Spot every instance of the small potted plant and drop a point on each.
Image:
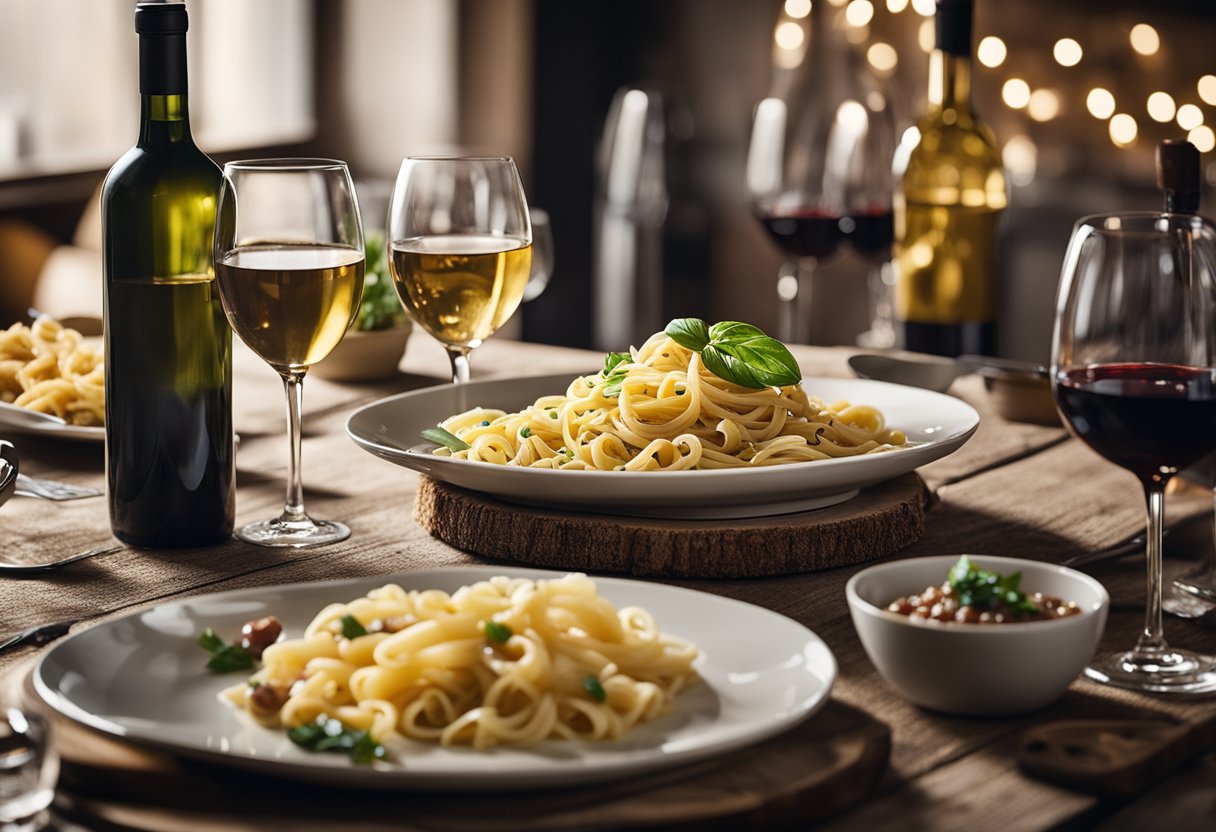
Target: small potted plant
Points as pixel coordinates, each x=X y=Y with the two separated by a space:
x=375 y=342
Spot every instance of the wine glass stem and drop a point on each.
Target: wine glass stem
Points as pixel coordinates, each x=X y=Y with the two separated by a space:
x=459 y=356
x=1152 y=640
x=293 y=509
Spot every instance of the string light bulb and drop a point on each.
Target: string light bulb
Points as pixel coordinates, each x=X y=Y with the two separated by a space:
x=1161 y=107
x=1189 y=116
x=1144 y=39
x=797 y=9
x=1207 y=89
x=1067 y=52
x=1123 y=130
x=1101 y=103
x=1203 y=138
x=991 y=51
x=1015 y=93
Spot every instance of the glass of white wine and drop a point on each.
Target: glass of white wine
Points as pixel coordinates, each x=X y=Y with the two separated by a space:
x=289 y=265
x=460 y=248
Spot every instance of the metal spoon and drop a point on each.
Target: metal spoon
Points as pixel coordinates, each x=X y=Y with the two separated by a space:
x=9 y=464
x=933 y=372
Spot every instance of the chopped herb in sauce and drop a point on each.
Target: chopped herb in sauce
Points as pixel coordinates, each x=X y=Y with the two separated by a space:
x=594 y=689
x=329 y=734
x=351 y=628
x=225 y=658
x=497 y=633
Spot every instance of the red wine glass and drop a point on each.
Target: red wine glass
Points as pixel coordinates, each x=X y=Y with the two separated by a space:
x=1134 y=377
x=819 y=162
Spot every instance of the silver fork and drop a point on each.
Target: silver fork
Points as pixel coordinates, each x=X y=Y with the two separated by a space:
x=28 y=486
x=9 y=568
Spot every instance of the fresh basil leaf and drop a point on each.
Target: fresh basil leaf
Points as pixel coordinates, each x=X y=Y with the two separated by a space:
x=734 y=331
x=351 y=628
x=328 y=734
x=689 y=333
x=209 y=641
x=229 y=659
x=729 y=368
x=767 y=358
x=614 y=359
x=445 y=438
x=498 y=633
x=594 y=689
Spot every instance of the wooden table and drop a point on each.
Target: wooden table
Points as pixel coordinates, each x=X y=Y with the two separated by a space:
x=1014 y=489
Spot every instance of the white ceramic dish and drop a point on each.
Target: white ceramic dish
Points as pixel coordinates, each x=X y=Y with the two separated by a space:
x=976 y=669
x=936 y=425
x=19 y=420
x=141 y=677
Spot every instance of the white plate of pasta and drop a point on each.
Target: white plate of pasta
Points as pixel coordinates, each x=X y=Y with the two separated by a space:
x=142 y=677
x=51 y=382
x=883 y=431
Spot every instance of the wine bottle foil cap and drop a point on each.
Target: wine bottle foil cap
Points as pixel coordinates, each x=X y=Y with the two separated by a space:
x=161 y=18
x=1177 y=165
x=954 y=26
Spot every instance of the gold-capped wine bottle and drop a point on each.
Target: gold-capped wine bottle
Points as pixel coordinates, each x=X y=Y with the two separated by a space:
x=947 y=209
x=168 y=348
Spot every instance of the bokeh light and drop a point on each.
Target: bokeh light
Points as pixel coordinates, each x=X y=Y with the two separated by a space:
x=1100 y=102
x=1123 y=130
x=1161 y=106
x=1189 y=116
x=1015 y=93
x=1203 y=138
x=1144 y=39
x=1207 y=89
x=1067 y=52
x=991 y=51
x=797 y=9
x=859 y=13
x=883 y=57
x=1044 y=105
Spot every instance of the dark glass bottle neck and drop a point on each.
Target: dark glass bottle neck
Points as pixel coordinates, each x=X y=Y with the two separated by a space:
x=163 y=120
x=164 y=116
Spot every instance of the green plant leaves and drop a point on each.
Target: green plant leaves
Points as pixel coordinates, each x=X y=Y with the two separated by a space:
x=737 y=352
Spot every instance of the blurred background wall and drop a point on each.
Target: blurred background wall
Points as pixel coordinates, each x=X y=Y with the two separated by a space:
x=370 y=81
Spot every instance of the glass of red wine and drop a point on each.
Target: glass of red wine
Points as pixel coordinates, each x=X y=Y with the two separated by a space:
x=1134 y=377
x=819 y=163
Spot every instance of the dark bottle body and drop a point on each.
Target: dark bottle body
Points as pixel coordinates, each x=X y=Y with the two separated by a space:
x=169 y=439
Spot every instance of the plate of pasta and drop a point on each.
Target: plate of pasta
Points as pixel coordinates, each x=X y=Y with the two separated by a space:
x=51 y=382
x=655 y=433
x=454 y=678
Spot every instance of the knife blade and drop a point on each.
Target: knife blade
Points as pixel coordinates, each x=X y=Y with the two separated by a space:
x=38 y=635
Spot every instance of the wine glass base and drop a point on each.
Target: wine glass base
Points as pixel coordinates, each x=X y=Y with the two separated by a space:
x=1171 y=672
x=293 y=534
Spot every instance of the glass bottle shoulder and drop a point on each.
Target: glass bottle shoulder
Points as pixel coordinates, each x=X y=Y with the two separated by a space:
x=956 y=161
x=180 y=169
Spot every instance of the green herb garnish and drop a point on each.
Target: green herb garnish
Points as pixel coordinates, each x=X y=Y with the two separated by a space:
x=329 y=734
x=445 y=438
x=614 y=373
x=351 y=628
x=225 y=658
x=497 y=633
x=525 y=432
x=379 y=307
x=736 y=352
x=983 y=590
x=594 y=689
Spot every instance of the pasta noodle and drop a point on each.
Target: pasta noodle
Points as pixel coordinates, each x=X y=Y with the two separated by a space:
x=46 y=367
x=670 y=414
x=500 y=662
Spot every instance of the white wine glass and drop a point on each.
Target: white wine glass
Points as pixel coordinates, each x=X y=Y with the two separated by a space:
x=542 y=254
x=289 y=264
x=460 y=248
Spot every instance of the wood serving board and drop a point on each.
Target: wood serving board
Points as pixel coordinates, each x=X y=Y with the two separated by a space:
x=879 y=521
x=805 y=775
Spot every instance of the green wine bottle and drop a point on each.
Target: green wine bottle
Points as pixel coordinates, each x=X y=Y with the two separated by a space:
x=168 y=348
x=947 y=209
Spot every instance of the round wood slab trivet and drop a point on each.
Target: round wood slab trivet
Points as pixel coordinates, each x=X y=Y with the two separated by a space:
x=878 y=522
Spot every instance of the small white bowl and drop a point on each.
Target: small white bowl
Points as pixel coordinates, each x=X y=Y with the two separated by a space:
x=976 y=669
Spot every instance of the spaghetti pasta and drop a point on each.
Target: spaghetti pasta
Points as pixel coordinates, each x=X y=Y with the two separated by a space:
x=500 y=662
x=670 y=414
x=46 y=367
